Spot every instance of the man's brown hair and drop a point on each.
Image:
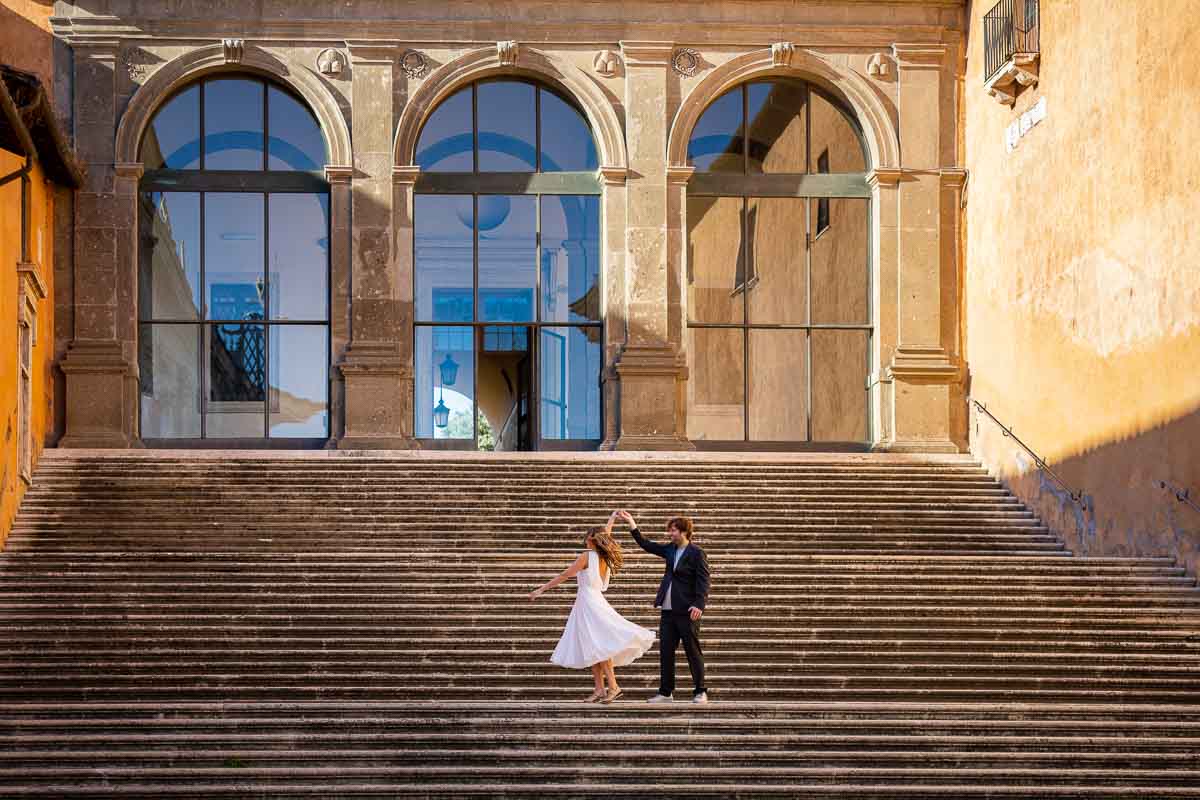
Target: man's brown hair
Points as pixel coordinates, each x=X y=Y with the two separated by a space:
x=683 y=525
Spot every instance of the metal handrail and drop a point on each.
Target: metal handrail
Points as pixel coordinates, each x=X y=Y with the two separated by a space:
x=1182 y=495
x=1076 y=497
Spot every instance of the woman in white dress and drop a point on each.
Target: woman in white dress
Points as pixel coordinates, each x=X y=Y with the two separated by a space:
x=596 y=635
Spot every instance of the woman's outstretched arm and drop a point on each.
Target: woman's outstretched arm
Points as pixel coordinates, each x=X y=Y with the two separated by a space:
x=577 y=566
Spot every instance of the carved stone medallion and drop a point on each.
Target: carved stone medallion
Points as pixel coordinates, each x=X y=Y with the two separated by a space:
x=686 y=61
x=414 y=64
x=330 y=62
x=606 y=63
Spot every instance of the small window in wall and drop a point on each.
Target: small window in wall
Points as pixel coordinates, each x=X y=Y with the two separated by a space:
x=823 y=202
x=25 y=401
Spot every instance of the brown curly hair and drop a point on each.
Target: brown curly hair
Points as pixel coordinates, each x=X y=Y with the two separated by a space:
x=607 y=547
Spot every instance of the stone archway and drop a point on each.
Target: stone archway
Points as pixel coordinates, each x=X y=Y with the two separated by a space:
x=186 y=68
x=530 y=62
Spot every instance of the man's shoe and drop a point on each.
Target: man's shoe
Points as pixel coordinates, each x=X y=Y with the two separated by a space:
x=661 y=698
x=700 y=698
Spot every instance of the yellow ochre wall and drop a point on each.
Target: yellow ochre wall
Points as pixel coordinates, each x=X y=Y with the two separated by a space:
x=1082 y=281
x=41 y=214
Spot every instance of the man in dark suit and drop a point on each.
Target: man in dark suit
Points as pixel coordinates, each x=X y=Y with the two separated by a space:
x=682 y=596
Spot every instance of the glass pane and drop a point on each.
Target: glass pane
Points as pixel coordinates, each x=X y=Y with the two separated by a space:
x=716 y=144
x=445 y=382
x=447 y=142
x=237 y=363
x=295 y=136
x=233 y=255
x=776 y=126
x=299 y=381
x=299 y=242
x=505 y=393
x=776 y=292
x=567 y=143
x=570 y=383
x=173 y=138
x=570 y=259
x=716 y=385
x=716 y=259
x=444 y=282
x=169 y=367
x=778 y=386
x=840 y=274
x=233 y=124
x=839 y=379
x=833 y=130
x=507 y=228
x=169 y=274
x=507 y=127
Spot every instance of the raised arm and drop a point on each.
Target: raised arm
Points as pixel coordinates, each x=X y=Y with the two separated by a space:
x=653 y=548
x=577 y=566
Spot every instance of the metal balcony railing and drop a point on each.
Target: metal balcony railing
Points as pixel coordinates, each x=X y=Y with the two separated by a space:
x=1012 y=27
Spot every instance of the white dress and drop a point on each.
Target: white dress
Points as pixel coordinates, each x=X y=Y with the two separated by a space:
x=595 y=632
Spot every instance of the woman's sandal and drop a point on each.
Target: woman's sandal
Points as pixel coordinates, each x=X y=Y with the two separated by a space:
x=596 y=697
x=608 y=698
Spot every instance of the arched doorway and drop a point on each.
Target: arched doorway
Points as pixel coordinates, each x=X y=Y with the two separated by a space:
x=506 y=271
x=233 y=266
x=779 y=321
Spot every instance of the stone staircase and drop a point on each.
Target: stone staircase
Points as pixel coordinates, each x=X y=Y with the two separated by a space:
x=326 y=625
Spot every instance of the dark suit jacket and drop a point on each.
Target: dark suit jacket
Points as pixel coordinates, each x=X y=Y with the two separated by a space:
x=689 y=580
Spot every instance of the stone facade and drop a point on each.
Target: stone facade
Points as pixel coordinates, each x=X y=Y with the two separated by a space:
x=641 y=80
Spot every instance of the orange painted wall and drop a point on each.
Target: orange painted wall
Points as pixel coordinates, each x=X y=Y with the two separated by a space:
x=1082 y=285
x=41 y=239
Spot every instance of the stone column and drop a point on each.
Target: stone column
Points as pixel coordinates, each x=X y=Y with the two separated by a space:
x=100 y=364
x=339 y=178
x=613 y=309
x=925 y=366
x=651 y=369
x=884 y=184
x=373 y=367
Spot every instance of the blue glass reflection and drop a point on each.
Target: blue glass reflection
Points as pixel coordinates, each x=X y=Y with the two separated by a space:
x=443 y=234
x=567 y=144
x=299 y=256
x=507 y=257
x=299 y=381
x=717 y=144
x=457 y=403
x=570 y=383
x=235 y=284
x=169 y=283
x=507 y=127
x=233 y=124
x=446 y=143
x=570 y=260
x=173 y=140
x=295 y=142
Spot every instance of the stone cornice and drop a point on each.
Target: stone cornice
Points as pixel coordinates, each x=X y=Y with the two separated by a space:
x=920 y=55
x=680 y=175
x=884 y=176
x=613 y=176
x=638 y=53
x=953 y=176
x=335 y=173
x=131 y=170
x=373 y=52
x=405 y=174
x=31 y=275
x=926 y=364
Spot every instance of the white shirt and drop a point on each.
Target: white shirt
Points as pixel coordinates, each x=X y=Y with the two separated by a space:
x=666 y=606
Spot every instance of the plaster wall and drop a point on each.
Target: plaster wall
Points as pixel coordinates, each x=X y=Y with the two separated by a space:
x=1082 y=287
x=41 y=245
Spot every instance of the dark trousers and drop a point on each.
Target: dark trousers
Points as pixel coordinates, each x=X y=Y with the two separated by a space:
x=676 y=627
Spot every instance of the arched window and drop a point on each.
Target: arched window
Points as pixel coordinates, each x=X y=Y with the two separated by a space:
x=234 y=266
x=507 y=324
x=779 y=320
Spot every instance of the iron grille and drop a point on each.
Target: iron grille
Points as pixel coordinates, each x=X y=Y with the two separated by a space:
x=1011 y=27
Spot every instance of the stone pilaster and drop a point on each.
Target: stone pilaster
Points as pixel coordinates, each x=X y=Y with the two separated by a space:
x=651 y=369
x=924 y=367
x=613 y=311
x=373 y=368
x=100 y=364
x=340 y=179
